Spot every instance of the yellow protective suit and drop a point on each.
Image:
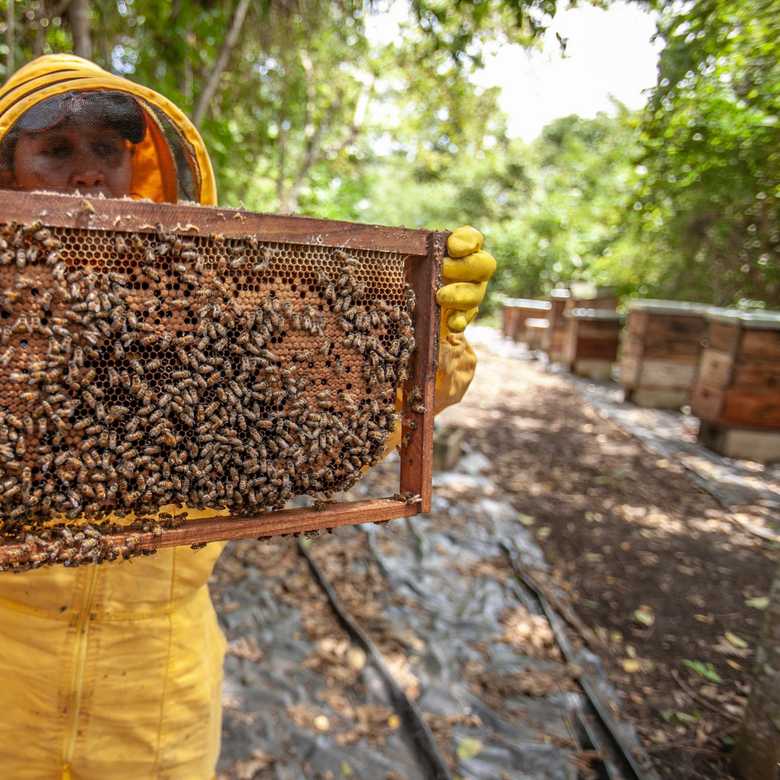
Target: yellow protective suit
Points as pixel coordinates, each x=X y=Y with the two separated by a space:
x=114 y=672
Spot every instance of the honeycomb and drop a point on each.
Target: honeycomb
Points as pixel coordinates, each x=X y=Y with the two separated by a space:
x=141 y=370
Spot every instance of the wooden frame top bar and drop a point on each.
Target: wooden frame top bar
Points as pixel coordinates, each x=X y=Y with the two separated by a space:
x=76 y=211
x=676 y=308
x=759 y=320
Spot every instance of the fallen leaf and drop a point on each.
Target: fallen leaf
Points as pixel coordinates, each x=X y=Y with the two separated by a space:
x=346 y=769
x=705 y=669
x=727 y=648
x=246 y=770
x=468 y=747
x=543 y=532
x=321 y=723
x=245 y=647
x=526 y=520
x=675 y=716
x=631 y=665
x=735 y=640
x=356 y=658
x=759 y=602
x=644 y=615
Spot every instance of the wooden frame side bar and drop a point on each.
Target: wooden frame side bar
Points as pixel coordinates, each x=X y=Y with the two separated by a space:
x=420 y=389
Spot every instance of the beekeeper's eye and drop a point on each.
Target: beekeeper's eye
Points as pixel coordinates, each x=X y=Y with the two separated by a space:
x=59 y=148
x=108 y=150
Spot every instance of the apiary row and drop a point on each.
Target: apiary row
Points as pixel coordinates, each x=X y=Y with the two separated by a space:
x=725 y=364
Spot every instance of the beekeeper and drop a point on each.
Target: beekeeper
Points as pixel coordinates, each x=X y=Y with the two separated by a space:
x=115 y=671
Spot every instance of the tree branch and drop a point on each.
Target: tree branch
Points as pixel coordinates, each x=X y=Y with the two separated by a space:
x=59 y=9
x=314 y=152
x=10 y=37
x=231 y=39
x=78 y=17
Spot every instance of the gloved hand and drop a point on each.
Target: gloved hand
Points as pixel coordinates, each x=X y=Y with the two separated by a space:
x=466 y=271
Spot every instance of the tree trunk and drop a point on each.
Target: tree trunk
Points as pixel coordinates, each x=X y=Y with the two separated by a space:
x=10 y=36
x=231 y=39
x=757 y=756
x=78 y=17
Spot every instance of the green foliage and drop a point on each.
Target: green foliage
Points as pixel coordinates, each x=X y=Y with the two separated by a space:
x=708 y=207
x=678 y=201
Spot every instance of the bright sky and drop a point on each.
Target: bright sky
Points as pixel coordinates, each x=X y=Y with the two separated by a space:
x=609 y=53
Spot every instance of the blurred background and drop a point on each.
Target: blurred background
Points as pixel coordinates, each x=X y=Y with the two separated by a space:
x=627 y=144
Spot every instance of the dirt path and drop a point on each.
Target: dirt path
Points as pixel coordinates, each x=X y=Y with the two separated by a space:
x=652 y=565
x=651 y=562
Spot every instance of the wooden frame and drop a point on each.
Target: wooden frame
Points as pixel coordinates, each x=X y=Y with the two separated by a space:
x=423 y=251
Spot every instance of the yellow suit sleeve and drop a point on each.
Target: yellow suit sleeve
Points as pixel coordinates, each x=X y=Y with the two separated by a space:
x=454 y=372
x=455 y=369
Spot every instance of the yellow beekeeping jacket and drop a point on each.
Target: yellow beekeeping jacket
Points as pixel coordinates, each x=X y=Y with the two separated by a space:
x=114 y=672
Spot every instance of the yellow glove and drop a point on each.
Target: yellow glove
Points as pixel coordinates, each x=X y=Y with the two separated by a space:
x=465 y=275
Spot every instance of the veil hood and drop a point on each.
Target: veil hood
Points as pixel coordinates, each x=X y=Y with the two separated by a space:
x=170 y=163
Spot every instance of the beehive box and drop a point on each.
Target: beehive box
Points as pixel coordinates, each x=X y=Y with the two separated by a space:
x=516 y=311
x=536 y=332
x=736 y=394
x=592 y=339
x=156 y=358
x=557 y=324
x=660 y=352
x=591 y=296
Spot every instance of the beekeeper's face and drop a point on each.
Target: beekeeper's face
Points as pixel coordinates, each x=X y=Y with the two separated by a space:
x=74 y=156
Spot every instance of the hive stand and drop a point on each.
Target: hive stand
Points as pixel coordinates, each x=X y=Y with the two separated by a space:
x=737 y=390
x=536 y=332
x=516 y=312
x=555 y=337
x=393 y=257
x=660 y=352
x=592 y=338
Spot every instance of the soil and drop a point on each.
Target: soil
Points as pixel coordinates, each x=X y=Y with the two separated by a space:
x=651 y=563
x=666 y=588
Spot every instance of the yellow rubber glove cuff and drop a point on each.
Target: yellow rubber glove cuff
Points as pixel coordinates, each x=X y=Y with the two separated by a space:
x=465 y=274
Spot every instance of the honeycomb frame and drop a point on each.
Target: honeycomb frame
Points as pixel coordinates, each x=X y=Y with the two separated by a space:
x=158 y=258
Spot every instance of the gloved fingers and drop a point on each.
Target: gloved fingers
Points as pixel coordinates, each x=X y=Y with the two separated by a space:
x=476 y=267
x=463 y=241
x=461 y=295
x=457 y=321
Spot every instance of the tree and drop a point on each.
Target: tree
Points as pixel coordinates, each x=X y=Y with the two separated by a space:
x=281 y=89
x=757 y=755
x=708 y=206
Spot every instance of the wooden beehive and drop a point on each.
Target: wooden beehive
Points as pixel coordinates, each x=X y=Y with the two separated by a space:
x=591 y=296
x=160 y=357
x=516 y=311
x=557 y=324
x=581 y=295
x=736 y=394
x=660 y=352
x=536 y=332
x=592 y=339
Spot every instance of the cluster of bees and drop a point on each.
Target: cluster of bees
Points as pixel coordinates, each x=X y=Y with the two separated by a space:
x=145 y=370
